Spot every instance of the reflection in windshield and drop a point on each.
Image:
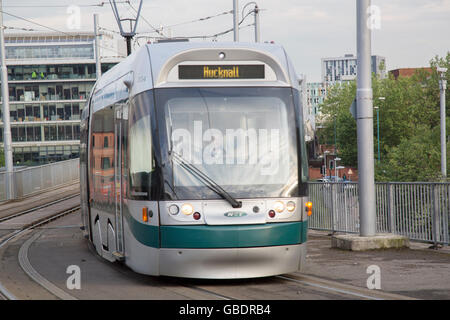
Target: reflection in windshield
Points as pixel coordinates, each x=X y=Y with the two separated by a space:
x=243 y=139
x=229 y=136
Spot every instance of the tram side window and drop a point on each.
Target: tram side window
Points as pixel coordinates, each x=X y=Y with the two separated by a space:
x=304 y=156
x=102 y=157
x=140 y=153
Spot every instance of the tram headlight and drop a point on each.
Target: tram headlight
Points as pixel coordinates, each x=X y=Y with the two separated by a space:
x=279 y=206
x=290 y=206
x=187 y=209
x=174 y=209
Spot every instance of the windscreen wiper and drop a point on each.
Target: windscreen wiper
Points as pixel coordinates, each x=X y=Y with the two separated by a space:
x=206 y=180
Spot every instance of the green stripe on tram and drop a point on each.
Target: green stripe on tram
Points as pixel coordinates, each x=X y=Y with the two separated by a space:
x=233 y=236
x=230 y=236
x=146 y=234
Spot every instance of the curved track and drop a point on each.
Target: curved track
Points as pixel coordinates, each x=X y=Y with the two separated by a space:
x=289 y=286
x=30 y=219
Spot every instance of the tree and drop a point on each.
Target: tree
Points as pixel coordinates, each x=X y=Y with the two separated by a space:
x=2 y=158
x=337 y=116
x=409 y=124
x=415 y=159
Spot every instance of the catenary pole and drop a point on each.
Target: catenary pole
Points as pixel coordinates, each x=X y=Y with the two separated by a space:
x=236 y=20
x=7 y=143
x=127 y=35
x=98 y=66
x=365 y=123
x=257 y=26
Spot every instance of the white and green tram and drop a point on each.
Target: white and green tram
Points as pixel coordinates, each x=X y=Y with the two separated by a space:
x=193 y=162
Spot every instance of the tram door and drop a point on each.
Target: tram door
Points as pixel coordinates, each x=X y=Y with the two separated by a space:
x=120 y=115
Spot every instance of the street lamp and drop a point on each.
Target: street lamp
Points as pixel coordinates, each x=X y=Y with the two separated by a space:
x=443 y=86
x=378 y=127
x=339 y=168
x=335 y=165
x=325 y=162
x=256 y=10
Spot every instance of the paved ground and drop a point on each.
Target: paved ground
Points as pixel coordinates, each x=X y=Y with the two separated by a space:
x=417 y=272
x=61 y=244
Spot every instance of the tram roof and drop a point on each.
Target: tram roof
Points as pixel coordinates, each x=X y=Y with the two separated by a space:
x=150 y=65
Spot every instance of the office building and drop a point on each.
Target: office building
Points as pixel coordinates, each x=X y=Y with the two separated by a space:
x=316 y=94
x=50 y=77
x=340 y=69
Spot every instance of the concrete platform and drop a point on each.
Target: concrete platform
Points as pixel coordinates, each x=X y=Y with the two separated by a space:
x=379 y=241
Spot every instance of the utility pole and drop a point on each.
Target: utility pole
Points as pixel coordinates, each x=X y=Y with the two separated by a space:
x=98 y=66
x=257 y=26
x=236 y=20
x=7 y=143
x=365 y=123
x=443 y=87
x=127 y=35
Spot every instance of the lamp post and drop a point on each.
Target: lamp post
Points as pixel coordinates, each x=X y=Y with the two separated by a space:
x=7 y=143
x=256 y=10
x=325 y=162
x=443 y=87
x=335 y=165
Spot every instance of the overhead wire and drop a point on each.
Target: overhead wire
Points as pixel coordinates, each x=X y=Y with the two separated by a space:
x=146 y=21
x=199 y=19
x=156 y=30
x=209 y=36
x=101 y=4
x=53 y=29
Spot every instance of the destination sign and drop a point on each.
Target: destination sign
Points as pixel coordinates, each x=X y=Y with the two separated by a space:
x=212 y=72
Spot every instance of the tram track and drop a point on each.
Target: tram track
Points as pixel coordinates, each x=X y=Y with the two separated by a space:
x=164 y=281
x=340 y=288
x=301 y=282
x=48 y=204
x=185 y=288
x=28 y=226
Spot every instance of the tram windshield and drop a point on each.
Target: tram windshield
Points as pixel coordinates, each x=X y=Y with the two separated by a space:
x=244 y=139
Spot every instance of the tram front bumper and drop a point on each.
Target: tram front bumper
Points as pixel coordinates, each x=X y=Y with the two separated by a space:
x=232 y=263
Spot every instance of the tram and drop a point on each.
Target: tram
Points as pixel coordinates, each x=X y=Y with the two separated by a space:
x=193 y=162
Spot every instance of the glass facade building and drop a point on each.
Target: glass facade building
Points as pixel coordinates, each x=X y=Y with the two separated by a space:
x=335 y=70
x=50 y=77
x=316 y=93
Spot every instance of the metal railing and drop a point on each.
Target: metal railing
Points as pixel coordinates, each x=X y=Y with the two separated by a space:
x=31 y=180
x=420 y=211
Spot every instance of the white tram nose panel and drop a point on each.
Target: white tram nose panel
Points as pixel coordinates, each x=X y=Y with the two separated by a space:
x=234 y=263
x=222 y=213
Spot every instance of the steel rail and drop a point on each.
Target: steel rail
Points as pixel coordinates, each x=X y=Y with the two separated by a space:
x=36 y=276
x=17 y=233
x=333 y=286
x=45 y=205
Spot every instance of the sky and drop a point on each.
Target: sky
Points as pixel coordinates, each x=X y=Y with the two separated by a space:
x=410 y=33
